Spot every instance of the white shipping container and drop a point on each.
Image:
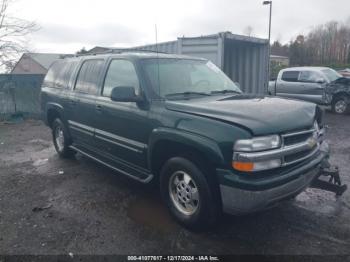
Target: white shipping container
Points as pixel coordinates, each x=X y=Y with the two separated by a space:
x=242 y=58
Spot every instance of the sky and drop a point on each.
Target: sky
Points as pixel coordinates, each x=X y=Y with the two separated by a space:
x=68 y=25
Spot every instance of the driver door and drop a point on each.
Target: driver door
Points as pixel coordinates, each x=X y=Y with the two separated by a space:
x=122 y=128
x=313 y=86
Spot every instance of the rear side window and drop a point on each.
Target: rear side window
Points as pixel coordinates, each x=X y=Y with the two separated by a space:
x=65 y=75
x=290 y=76
x=120 y=73
x=88 y=77
x=60 y=74
x=52 y=74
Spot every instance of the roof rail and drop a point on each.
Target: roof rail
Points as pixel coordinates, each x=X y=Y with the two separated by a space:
x=119 y=51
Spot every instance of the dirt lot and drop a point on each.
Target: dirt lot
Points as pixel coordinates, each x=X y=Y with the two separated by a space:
x=54 y=206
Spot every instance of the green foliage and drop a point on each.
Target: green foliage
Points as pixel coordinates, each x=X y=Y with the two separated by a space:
x=275 y=67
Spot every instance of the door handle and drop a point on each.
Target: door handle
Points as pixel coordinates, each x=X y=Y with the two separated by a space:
x=98 y=107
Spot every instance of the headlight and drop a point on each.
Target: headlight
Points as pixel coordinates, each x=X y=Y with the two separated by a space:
x=257 y=143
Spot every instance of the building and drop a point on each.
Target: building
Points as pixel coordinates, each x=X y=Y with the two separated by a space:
x=279 y=60
x=244 y=59
x=35 y=63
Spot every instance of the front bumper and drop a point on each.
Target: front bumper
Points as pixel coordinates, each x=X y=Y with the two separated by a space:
x=239 y=197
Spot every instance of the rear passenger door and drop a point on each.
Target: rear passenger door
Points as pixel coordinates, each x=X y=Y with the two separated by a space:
x=82 y=102
x=287 y=85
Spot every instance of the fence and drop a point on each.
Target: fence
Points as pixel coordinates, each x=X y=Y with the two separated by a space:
x=20 y=94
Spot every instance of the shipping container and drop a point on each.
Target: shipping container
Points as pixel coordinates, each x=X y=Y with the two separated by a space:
x=244 y=59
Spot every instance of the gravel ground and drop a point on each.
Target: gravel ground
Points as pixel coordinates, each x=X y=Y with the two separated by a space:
x=54 y=206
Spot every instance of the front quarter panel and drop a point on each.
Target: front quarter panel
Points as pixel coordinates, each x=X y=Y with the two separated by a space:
x=211 y=137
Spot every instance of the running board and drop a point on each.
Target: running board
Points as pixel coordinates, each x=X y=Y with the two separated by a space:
x=145 y=181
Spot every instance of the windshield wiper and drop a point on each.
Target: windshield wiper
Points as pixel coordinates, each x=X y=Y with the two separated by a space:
x=225 y=91
x=188 y=93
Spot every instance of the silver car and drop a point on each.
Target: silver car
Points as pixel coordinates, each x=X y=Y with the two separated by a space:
x=304 y=83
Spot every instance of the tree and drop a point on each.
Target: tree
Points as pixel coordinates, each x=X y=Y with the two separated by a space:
x=248 y=30
x=12 y=36
x=327 y=45
x=81 y=51
x=278 y=49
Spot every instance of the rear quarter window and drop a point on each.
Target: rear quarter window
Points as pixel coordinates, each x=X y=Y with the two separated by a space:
x=290 y=76
x=60 y=74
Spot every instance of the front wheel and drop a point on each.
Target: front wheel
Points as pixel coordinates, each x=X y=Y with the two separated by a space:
x=61 y=139
x=340 y=105
x=187 y=193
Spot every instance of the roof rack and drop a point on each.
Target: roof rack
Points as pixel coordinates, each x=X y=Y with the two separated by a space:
x=119 y=51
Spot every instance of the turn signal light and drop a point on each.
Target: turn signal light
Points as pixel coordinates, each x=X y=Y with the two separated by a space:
x=243 y=166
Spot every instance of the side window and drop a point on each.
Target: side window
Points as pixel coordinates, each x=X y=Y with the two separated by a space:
x=65 y=74
x=309 y=77
x=88 y=77
x=290 y=76
x=52 y=75
x=120 y=73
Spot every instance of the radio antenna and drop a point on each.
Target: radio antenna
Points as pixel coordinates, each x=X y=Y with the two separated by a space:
x=156 y=33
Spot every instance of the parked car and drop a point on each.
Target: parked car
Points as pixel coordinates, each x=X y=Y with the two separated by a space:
x=181 y=123
x=310 y=84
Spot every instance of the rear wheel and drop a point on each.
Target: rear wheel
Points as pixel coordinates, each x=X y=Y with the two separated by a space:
x=340 y=105
x=188 y=195
x=61 y=139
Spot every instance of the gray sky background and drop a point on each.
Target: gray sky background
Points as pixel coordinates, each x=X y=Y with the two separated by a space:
x=69 y=25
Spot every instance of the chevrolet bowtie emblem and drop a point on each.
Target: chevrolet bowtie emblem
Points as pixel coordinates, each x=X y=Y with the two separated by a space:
x=312 y=142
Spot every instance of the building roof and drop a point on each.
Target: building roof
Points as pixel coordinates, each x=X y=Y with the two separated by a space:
x=44 y=59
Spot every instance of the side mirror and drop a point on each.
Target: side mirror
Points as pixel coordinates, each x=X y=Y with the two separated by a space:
x=125 y=94
x=320 y=81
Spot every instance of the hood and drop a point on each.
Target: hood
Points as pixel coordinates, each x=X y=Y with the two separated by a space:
x=261 y=115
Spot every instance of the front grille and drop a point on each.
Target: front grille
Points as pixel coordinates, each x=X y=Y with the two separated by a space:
x=306 y=137
x=295 y=139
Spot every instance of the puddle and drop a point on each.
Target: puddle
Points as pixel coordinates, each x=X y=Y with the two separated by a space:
x=27 y=153
x=318 y=201
x=40 y=162
x=152 y=213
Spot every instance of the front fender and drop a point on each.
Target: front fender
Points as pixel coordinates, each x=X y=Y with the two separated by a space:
x=203 y=144
x=53 y=106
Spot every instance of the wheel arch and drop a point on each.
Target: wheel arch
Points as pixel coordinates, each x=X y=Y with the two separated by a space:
x=53 y=111
x=166 y=142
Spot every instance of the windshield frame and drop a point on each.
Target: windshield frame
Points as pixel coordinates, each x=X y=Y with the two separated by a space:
x=156 y=96
x=324 y=72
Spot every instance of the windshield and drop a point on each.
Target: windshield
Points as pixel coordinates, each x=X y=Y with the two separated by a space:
x=331 y=74
x=186 y=77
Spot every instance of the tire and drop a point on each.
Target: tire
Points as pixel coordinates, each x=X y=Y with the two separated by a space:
x=193 y=187
x=61 y=139
x=340 y=105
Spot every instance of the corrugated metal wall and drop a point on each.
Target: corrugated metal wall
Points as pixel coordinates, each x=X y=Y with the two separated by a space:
x=246 y=63
x=243 y=59
x=165 y=47
x=20 y=94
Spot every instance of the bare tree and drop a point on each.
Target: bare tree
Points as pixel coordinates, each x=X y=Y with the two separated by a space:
x=13 y=32
x=248 y=30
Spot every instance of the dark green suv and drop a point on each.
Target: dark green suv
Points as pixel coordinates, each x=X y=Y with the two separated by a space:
x=181 y=123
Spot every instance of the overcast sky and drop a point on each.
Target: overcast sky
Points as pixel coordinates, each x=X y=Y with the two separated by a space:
x=69 y=25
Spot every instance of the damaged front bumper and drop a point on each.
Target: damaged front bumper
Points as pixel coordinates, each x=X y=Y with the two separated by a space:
x=239 y=197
